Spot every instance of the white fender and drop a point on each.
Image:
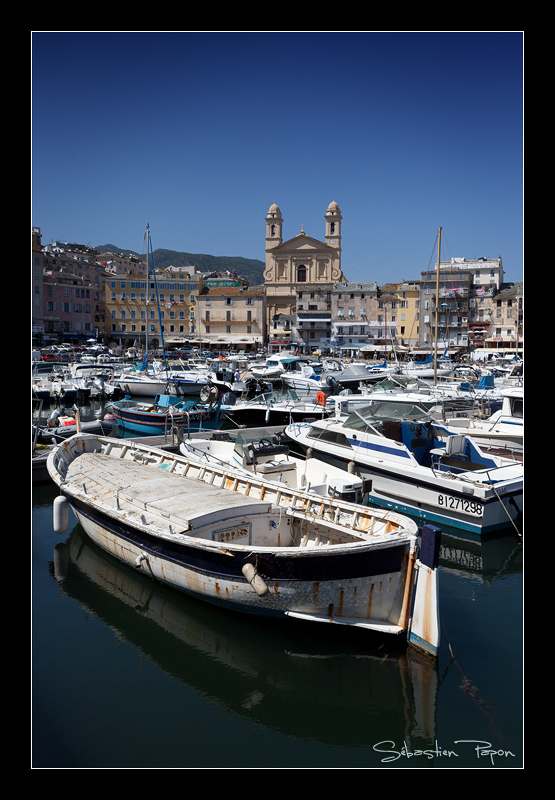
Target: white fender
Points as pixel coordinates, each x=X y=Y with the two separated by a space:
x=60 y=514
x=254 y=579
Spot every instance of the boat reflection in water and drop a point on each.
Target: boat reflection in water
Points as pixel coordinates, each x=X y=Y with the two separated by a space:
x=278 y=675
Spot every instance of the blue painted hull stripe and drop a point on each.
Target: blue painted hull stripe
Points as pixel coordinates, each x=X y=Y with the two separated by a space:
x=379 y=448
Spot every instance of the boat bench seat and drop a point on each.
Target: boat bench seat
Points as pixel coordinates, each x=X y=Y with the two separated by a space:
x=460 y=464
x=273 y=466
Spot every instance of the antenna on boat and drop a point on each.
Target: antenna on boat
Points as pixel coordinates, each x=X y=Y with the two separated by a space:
x=437 y=303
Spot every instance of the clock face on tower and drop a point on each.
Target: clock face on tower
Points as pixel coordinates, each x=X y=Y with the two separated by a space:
x=332 y=241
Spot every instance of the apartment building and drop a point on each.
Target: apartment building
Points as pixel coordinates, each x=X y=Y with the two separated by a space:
x=72 y=296
x=161 y=309
x=465 y=287
x=37 y=307
x=405 y=311
x=68 y=306
x=503 y=324
x=231 y=316
x=354 y=311
x=312 y=323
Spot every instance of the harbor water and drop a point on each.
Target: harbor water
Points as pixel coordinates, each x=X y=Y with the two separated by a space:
x=130 y=674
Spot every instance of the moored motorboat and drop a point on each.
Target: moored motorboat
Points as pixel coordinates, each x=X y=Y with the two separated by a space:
x=377 y=372
x=349 y=377
x=141 y=383
x=272 y=368
x=249 y=544
x=426 y=369
x=503 y=429
x=418 y=467
x=273 y=408
x=269 y=458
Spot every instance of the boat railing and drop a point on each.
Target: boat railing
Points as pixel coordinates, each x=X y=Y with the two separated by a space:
x=325 y=509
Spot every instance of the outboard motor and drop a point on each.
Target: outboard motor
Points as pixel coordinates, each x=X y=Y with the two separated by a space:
x=209 y=394
x=333 y=383
x=251 y=385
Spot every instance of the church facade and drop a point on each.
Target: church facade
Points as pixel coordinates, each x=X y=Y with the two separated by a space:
x=301 y=266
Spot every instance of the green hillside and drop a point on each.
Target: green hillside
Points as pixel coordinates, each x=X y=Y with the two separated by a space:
x=250 y=268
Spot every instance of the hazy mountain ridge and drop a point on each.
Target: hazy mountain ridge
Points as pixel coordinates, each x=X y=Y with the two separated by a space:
x=250 y=268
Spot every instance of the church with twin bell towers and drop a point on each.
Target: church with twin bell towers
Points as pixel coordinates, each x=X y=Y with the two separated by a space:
x=301 y=264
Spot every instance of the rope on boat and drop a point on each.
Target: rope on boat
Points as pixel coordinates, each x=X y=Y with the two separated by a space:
x=511 y=520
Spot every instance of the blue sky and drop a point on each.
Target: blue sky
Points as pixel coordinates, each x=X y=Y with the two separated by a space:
x=198 y=133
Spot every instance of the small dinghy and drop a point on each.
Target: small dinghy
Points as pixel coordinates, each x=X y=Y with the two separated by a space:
x=249 y=544
x=62 y=425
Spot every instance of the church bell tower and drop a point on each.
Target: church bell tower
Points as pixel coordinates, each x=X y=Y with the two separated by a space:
x=333 y=226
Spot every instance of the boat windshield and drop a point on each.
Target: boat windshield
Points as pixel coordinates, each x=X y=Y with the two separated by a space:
x=329 y=435
x=517 y=407
x=370 y=418
x=265 y=399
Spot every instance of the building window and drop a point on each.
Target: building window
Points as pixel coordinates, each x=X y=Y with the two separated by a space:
x=301 y=273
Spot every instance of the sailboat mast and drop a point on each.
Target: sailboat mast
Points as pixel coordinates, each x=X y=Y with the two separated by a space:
x=147 y=238
x=437 y=303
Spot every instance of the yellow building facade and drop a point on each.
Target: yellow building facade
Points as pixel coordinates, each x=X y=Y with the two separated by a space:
x=159 y=308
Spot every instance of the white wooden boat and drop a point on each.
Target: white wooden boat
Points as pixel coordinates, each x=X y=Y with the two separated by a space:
x=272 y=460
x=417 y=466
x=249 y=544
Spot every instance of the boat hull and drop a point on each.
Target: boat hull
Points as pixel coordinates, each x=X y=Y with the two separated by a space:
x=232 y=540
x=323 y=587
x=141 y=388
x=260 y=417
x=157 y=424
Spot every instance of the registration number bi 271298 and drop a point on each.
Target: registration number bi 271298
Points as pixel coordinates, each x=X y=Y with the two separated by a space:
x=460 y=504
